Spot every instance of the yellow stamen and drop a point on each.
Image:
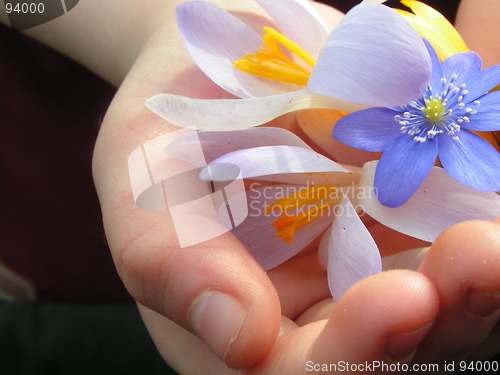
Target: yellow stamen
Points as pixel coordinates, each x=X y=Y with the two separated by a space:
x=434 y=110
x=271 y=62
x=320 y=198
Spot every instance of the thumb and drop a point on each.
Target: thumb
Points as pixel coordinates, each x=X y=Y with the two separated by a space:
x=207 y=283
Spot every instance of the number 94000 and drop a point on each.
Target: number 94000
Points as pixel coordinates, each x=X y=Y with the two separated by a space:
x=24 y=8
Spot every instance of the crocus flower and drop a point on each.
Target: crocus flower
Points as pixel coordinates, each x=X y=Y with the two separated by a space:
x=311 y=193
x=372 y=58
x=438 y=124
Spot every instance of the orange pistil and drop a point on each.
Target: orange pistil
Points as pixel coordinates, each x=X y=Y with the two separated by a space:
x=320 y=198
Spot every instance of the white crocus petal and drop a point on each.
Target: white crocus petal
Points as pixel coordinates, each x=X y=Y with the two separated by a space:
x=234 y=114
x=352 y=252
x=374 y=1
x=373 y=57
x=406 y=260
x=215 y=39
x=216 y=144
x=438 y=203
x=258 y=234
x=272 y=160
x=299 y=21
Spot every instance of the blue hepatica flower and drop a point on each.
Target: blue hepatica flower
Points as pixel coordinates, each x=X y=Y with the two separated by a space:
x=438 y=124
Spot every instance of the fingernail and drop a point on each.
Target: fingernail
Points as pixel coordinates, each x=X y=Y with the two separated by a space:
x=217 y=319
x=401 y=347
x=483 y=304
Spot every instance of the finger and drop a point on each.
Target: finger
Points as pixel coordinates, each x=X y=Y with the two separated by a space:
x=182 y=350
x=463 y=265
x=382 y=318
x=187 y=354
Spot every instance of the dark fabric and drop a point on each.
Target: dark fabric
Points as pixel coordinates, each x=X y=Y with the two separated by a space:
x=66 y=339
x=50 y=221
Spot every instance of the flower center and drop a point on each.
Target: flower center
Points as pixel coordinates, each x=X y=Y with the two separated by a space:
x=441 y=110
x=271 y=62
x=307 y=206
x=434 y=110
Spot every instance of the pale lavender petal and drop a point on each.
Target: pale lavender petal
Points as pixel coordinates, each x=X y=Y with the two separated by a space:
x=216 y=144
x=352 y=252
x=271 y=160
x=471 y=160
x=234 y=114
x=258 y=234
x=299 y=21
x=438 y=203
x=215 y=39
x=373 y=57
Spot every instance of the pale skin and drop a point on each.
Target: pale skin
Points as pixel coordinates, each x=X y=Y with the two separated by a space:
x=448 y=310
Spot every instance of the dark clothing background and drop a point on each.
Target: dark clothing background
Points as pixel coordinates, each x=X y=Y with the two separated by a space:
x=51 y=228
x=51 y=232
x=76 y=339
